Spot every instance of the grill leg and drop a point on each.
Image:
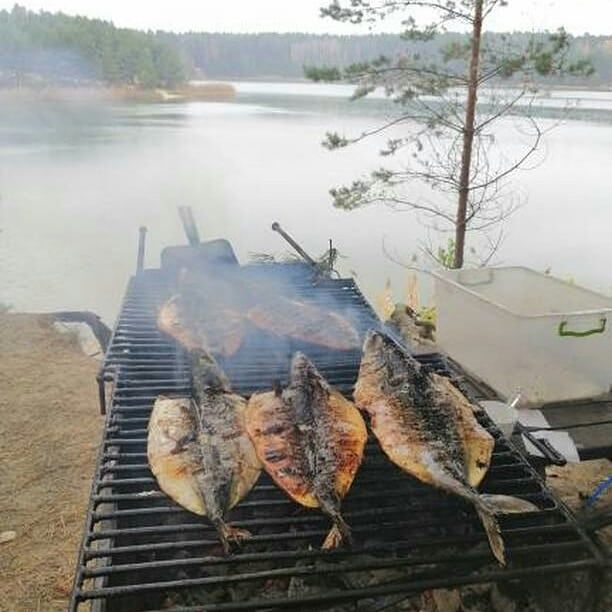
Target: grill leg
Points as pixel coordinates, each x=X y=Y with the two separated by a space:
x=101 y=392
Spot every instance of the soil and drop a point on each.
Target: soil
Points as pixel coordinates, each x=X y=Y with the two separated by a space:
x=50 y=429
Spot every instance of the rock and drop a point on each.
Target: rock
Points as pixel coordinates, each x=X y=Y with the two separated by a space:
x=7 y=536
x=84 y=336
x=414 y=331
x=441 y=600
x=501 y=602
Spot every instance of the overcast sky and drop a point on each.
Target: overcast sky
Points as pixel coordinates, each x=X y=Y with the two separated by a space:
x=578 y=16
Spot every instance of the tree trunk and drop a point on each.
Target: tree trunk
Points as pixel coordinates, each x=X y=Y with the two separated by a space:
x=468 y=137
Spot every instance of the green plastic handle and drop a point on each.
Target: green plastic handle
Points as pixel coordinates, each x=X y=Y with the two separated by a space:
x=581 y=334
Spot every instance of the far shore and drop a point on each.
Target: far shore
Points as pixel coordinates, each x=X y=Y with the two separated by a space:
x=202 y=91
x=600 y=87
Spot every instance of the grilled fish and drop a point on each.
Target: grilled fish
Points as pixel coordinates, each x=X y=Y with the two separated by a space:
x=199 y=450
x=428 y=428
x=310 y=439
x=306 y=322
x=201 y=325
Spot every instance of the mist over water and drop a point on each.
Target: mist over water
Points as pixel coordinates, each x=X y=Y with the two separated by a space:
x=76 y=182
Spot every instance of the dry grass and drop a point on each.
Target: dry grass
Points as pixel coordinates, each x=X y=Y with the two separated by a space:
x=202 y=91
x=207 y=91
x=50 y=432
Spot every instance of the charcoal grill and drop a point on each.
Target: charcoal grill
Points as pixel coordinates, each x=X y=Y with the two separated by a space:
x=141 y=552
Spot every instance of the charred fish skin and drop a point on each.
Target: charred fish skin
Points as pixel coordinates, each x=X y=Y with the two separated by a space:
x=310 y=440
x=198 y=319
x=199 y=451
x=225 y=451
x=428 y=429
x=308 y=395
x=307 y=322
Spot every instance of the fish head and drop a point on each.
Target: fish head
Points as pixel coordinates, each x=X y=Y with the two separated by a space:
x=207 y=373
x=373 y=344
x=305 y=376
x=382 y=353
x=302 y=368
x=379 y=349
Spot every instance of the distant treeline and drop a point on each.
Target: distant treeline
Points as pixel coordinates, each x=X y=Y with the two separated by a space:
x=283 y=56
x=55 y=47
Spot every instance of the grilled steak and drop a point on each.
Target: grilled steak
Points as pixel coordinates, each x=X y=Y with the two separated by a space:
x=202 y=324
x=306 y=322
x=199 y=450
x=310 y=440
x=428 y=428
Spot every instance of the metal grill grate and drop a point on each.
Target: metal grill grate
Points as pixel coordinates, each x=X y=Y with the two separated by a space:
x=142 y=552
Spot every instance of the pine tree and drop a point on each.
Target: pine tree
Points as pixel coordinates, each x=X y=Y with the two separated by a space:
x=443 y=136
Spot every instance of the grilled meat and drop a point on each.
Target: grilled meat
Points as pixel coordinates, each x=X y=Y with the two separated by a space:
x=202 y=324
x=306 y=322
x=310 y=439
x=199 y=450
x=428 y=428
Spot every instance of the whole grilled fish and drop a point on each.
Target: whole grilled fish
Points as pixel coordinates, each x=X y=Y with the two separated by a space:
x=307 y=322
x=310 y=440
x=428 y=428
x=202 y=324
x=199 y=450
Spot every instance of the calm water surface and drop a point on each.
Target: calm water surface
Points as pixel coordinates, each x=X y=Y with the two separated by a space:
x=76 y=182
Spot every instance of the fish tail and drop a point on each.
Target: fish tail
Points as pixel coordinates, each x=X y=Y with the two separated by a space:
x=229 y=534
x=487 y=507
x=492 y=529
x=506 y=504
x=338 y=535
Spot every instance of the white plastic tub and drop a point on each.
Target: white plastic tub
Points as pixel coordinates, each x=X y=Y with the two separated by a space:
x=519 y=330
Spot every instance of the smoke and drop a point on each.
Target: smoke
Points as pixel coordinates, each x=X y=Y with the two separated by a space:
x=323 y=318
x=37 y=67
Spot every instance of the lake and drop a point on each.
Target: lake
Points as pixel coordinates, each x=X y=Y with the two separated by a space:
x=77 y=181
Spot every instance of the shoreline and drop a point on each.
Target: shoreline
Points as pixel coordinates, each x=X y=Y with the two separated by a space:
x=212 y=91
x=606 y=88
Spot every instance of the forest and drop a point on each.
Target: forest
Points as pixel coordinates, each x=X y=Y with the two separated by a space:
x=284 y=56
x=47 y=47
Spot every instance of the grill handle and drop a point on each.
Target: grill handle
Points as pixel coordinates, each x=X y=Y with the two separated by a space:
x=142 y=238
x=301 y=252
x=189 y=225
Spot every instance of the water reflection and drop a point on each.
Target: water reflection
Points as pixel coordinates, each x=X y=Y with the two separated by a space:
x=76 y=181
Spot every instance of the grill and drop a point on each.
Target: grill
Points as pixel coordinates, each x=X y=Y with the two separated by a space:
x=140 y=551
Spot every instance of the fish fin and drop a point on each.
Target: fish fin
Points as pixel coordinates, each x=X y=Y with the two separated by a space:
x=229 y=535
x=338 y=535
x=488 y=506
x=476 y=441
x=171 y=458
x=505 y=504
x=492 y=529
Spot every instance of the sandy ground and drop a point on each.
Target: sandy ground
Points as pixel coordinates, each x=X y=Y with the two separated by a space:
x=50 y=429
x=574 y=484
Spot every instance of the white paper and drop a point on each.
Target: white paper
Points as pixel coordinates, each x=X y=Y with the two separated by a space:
x=501 y=414
x=561 y=441
x=532 y=418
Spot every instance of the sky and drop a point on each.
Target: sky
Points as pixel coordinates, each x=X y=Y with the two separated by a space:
x=577 y=16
